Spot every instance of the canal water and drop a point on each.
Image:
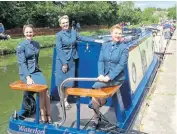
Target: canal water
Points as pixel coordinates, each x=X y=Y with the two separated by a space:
x=10 y=100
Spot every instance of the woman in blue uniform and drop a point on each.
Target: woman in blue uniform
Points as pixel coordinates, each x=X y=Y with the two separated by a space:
x=66 y=53
x=29 y=71
x=113 y=57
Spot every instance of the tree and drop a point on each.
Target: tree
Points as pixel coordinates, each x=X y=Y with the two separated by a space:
x=45 y=13
x=172 y=12
x=149 y=16
x=15 y=13
x=128 y=13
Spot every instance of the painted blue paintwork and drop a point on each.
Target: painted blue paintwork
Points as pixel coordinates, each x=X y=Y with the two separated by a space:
x=32 y=128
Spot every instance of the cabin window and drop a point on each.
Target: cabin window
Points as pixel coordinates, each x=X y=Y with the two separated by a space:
x=133 y=72
x=143 y=61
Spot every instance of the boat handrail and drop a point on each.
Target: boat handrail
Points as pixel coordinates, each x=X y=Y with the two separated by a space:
x=101 y=93
x=61 y=92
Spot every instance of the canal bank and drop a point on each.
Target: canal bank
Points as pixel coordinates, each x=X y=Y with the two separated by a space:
x=45 y=41
x=158 y=113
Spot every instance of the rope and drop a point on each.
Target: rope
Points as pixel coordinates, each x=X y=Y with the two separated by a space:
x=29 y=104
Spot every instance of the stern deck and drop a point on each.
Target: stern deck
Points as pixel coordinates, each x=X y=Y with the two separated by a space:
x=86 y=115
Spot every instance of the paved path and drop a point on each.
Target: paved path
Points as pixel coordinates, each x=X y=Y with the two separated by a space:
x=158 y=115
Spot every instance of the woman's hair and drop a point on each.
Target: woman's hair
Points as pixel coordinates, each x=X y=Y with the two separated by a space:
x=117 y=26
x=63 y=17
x=29 y=25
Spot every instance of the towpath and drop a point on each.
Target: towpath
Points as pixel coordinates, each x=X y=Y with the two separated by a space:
x=158 y=114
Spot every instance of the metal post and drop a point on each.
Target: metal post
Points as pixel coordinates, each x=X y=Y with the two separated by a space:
x=37 y=108
x=78 y=113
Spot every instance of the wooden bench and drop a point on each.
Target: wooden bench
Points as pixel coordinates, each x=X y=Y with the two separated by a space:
x=98 y=93
x=19 y=85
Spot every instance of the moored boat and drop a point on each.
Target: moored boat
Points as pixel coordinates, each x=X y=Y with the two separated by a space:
x=123 y=102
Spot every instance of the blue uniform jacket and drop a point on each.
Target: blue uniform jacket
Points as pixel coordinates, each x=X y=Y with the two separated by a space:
x=65 y=45
x=113 y=57
x=2 y=29
x=27 y=55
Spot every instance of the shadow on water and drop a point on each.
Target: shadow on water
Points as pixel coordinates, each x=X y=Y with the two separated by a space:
x=10 y=100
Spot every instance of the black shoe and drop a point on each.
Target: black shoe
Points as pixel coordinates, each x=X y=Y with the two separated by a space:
x=95 y=125
x=49 y=120
x=43 y=119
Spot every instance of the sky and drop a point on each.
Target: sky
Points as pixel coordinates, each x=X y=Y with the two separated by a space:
x=160 y=4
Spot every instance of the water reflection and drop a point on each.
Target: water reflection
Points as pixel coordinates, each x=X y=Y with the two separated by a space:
x=10 y=100
x=4 y=69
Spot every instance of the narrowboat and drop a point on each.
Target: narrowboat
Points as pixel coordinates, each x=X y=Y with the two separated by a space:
x=123 y=103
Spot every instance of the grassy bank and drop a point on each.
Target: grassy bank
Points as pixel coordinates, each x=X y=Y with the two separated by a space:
x=9 y=46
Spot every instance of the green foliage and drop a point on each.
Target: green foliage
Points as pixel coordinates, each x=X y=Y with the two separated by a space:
x=128 y=13
x=172 y=13
x=90 y=13
x=149 y=16
x=16 y=13
x=45 y=13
